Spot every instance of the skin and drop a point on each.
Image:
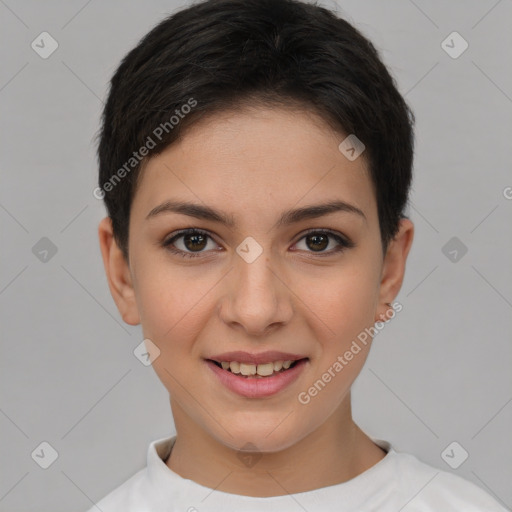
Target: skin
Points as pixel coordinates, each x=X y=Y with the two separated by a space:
x=254 y=164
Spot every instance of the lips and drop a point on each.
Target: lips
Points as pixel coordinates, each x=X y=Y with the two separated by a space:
x=255 y=358
x=257 y=370
x=255 y=386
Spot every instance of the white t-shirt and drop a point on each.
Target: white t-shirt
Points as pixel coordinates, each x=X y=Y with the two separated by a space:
x=398 y=482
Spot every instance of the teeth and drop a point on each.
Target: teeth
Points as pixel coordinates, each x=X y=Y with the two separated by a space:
x=263 y=370
x=248 y=369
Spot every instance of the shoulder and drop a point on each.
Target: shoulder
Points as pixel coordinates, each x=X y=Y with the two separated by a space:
x=142 y=492
x=129 y=496
x=423 y=488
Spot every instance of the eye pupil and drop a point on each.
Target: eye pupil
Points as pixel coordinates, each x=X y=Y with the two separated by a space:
x=318 y=244
x=198 y=241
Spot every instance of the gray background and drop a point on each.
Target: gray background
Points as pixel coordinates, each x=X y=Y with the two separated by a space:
x=438 y=373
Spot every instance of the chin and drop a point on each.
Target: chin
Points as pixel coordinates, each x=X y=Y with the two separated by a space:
x=262 y=438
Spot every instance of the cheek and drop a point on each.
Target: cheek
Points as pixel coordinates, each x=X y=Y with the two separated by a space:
x=173 y=304
x=341 y=303
x=175 y=307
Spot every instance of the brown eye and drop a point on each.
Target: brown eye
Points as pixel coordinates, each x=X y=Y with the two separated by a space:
x=190 y=243
x=194 y=242
x=317 y=242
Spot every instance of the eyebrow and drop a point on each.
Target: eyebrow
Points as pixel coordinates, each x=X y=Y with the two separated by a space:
x=287 y=217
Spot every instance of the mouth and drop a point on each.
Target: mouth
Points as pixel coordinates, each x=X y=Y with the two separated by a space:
x=260 y=371
x=250 y=384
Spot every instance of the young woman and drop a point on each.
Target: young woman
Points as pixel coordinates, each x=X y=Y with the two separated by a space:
x=255 y=161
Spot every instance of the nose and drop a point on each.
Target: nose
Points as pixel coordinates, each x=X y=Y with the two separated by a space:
x=258 y=299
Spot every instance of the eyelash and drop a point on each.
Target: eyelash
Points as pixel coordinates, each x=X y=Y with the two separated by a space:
x=343 y=242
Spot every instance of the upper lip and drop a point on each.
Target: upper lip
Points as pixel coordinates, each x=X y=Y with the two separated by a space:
x=262 y=357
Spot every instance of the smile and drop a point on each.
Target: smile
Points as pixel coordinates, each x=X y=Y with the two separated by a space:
x=246 y=380
x=259 y=370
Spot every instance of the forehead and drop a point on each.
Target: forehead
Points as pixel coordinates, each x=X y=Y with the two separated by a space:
x=256 y=160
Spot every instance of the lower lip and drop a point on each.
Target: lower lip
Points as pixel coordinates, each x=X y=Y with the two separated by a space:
x=254 y=387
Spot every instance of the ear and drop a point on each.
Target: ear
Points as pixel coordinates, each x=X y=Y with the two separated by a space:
x=393 y=268
x=118 y=274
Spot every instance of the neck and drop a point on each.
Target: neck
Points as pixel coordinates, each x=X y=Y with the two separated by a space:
x=335 y=452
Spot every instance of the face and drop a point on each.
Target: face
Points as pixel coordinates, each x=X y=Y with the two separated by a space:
x=306 y=283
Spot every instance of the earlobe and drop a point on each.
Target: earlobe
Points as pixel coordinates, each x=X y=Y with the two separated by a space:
x=118 y=274
x=393 y=269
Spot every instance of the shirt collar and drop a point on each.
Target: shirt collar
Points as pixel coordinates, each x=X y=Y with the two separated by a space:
x=166 y=486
